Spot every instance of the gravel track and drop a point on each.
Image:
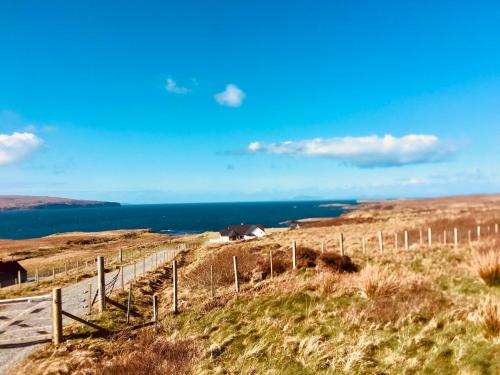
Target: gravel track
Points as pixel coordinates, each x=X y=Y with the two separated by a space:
x=31 y=320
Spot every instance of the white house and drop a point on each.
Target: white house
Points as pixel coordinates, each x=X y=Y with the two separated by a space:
x=236 y=232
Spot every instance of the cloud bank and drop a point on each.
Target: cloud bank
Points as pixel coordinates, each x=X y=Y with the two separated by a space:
x=173 y=88
x=232 y=96
x=17 y=147
x=365 y=152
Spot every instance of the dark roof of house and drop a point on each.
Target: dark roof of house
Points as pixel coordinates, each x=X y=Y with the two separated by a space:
x=11 y=267
x=233 y=230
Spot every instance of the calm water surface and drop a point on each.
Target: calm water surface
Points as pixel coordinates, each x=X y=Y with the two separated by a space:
x=164 y=218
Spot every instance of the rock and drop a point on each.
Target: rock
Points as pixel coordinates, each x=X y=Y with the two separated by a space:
x=259 y=275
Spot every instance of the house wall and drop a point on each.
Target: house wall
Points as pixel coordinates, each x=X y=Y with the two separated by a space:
x=258 y=232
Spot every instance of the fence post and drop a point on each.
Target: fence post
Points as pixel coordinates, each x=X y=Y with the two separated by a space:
x=363 y=245
x=129 y=301
x=66 y=268
x=122 y=278
x=212 y=294
x=236 y=277
x=478 y=233
x=455 y=237
x=380 y=242
x=174 y=286
x=89 y=299
x=155 y=308
x=120 y=256
x=101 y=285
x=294 y=253
x=54 y=273
x=271 y=263
x=421 y=238
x=341 y=243
x=406 y=240
x=19 y=278
x=429 y=236
x=56 y=316
x=37 y=276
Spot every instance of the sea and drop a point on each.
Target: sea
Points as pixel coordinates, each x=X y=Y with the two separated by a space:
x=173 y=219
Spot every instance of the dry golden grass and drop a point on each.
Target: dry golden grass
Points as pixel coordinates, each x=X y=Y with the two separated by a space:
x=486 y=262
x=407 y=311
x=377 y=282
x=490 y=314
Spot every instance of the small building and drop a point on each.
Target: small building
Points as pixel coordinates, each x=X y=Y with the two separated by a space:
x=9 y=271
x=235 y=232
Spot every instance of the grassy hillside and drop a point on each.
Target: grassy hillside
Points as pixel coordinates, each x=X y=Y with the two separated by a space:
x=422 y=310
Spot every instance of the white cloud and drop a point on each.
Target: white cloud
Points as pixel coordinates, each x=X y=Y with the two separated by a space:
x=172 y=87
x=232 y=96
x=365 y=152
x=17 y=146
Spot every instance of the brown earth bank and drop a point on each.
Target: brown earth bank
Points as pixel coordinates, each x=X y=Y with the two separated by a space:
x=433 y=307
x=24 y=202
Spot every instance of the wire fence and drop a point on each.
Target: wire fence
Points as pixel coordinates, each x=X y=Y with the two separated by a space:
x=27 y=320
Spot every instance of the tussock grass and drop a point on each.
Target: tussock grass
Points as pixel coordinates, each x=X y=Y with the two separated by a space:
x=487 y=265
x=490 y=314
x=375 y=281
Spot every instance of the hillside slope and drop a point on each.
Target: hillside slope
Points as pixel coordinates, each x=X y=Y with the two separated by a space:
x=23 y=202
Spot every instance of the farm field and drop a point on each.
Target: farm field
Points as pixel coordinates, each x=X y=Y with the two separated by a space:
x=430 y=308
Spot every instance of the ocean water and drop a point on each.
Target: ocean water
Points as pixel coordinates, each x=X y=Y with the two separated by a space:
x=163 y=218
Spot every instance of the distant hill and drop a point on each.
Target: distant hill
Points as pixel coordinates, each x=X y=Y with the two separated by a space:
x=20 y=202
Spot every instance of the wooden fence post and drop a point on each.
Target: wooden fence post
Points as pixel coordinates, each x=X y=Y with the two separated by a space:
x=271 y=262
x=478 y=233
x=120 y=256
x=429 y=236
x=380 y=242
x=54 y=273
x=174 y=286
x=19 y=279
x=155 y=308
x=129 y=301
x=89 y=299
x=37 y=276
x=406 y=240
x=212 y=294
x=101 y=285
x=294 y=254
x=236 y=277
x=122 y=278
x=341 y=244
x=363 y=245
x=455 y=237
x=57 y=316
x=421 y=238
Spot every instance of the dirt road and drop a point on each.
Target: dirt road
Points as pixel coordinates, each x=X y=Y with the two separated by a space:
x=24 y=325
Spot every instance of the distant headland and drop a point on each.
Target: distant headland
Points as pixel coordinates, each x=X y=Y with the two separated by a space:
x=24 y=202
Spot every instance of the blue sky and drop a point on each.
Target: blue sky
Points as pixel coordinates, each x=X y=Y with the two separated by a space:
x=228 y=101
